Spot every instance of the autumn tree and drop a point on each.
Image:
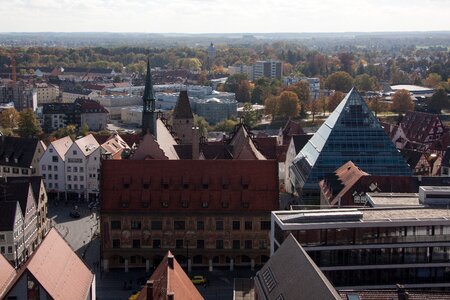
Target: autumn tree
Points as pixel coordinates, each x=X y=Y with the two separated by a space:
x=433 y=80
x=339 y=81
x=301 y=88
x=438 y=101
x=271 y=105
x=225 y=125
x=28 y=124
x=313 y=107
x=250 y=116
x=334 y=100
x=289 y=105
x=366 y=83
x=243 y=93
x=202 y=124
x=232 y=83
x=9 y=118
x=402 y=102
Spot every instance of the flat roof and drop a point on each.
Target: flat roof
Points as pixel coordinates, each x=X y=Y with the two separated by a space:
x=435 y=188
x=361 y=217
x=411 y=88
x=393 y=199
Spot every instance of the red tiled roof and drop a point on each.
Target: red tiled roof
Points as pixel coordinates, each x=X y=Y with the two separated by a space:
x=170 y=279
x=419 y=125
x=291 y=128
x=394 y=295
x=7 y=274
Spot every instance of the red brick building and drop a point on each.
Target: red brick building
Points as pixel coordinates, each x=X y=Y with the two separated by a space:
x=206 y=212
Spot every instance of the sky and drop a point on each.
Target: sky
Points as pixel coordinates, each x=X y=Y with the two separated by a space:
x=223 y=16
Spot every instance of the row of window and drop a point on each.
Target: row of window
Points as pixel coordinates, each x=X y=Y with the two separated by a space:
x=181 y=225
x=200 y=244
x=15 y=171
x=166 y=185
x=2 y=249
x=183 y=204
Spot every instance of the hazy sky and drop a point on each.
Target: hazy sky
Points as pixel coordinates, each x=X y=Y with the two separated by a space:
x=204 y=16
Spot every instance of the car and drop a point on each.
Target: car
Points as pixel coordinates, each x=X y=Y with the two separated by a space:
x=75 y=214
x=199 y=279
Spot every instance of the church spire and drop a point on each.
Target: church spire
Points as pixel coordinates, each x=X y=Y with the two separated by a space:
x=148 y=111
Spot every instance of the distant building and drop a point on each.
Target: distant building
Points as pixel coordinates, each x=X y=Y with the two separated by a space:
x=70 y=95
x=23 y=95
x=215 y=110
x=445 y=164
x=211 y=55
x=353 y=133
x=241 y=69
x=93 y=114
x=270 y=69
x=183 y=119
x=53 y=272
x=46 y=93
x=314 y=84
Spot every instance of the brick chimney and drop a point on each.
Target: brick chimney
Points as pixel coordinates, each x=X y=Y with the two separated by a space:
x=149 y=289
x=170 y=260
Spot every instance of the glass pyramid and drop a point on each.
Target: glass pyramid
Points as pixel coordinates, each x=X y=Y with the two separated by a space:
x=353 y=133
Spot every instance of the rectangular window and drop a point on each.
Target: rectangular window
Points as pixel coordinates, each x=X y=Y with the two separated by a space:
x=74 y=152
x=248 y=225
x=9 y=249
x=15 y=170
x=248 y=244
x=179 y=244
x=2 y=237
x=6 y=169
x=56 y=176
x=25 y=171
x=116 y=225
x=54 y=158
x=219 y=225
x=116 y=243
x=75 y=169
x=2 y=249
x=236 y=244
x=135 y=224
x=265 y=225
x=219 y=244
x=179 y=225
x=55 y=168
x=156 y=225
x=136 y=244
x=157 y=244
x=200 y=225
x=236 y=225
x=81 y=169
x=200 y=244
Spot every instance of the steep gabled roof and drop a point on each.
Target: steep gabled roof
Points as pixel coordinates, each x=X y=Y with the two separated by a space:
x=8 y=211
x=87 y=144
x=170 y=279
x=242 y=146
x=183 y=109
x=17 y=151
x=291 y=274
x=62 y=145
x=419 y=125
x=6 y=275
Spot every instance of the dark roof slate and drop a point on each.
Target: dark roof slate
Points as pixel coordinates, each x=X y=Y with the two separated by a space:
x=17 y=151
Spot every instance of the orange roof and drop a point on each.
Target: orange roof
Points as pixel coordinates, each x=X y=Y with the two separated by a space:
x=58 y=269
x=170 y=279
x=6 y=275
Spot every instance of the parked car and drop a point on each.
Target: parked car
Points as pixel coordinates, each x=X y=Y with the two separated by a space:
x=75 y=214
x=199 y=279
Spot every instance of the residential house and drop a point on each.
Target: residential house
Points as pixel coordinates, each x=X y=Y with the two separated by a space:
x=70 y=95
x=93 y=114
x=46 y=93
x=52 y=168
x=82 y=169
x=60 y=115
x=113 y=147
x=54 y=271
x=20 y=156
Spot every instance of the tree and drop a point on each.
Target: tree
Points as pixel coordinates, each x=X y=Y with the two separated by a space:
x=232 y=83
x=250 y=115
x=271 y=105
x=28 y=124
x=339 y=81
x=9 y=118
x=243 y=91
x=84 y=130
x=257 y=94
x=364 y=83
x=334 y=100
x=313 y=107
x=301 y=88
x=402 y=102
x=438 y=101
x=226 y=125
x=202 y=124
x=433 y=80
x=289 y=105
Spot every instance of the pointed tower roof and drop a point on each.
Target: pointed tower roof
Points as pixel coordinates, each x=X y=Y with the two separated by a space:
x=353 y=133
x=183 y=109
x=242 y=146
x=148 y=91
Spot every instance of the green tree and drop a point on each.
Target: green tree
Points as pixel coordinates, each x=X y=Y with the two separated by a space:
x=364 y=83
x=28 y=124
x=9 y=118
x=339 y=81
x=202 y=124
x=402 y=102
x=250 y=116
x=289 y=105
x=84 y=130
x=438 y=101
x=232 y=83
x=226 y=125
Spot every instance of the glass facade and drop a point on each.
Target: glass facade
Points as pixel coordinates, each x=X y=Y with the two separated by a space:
x=353 y=133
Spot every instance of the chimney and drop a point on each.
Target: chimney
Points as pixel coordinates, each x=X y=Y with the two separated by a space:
x=149 y=289
x=170 y=260
x=170 y=296
x=402 y=293
x=195 y=143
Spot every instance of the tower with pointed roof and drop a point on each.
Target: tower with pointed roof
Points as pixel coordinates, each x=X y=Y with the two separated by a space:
x=353 y=133
x=148 y=111
x=183 y=119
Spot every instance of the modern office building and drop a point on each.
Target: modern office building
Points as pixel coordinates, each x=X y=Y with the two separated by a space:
x=373 y=247
x=350 y=133
x=270 y=69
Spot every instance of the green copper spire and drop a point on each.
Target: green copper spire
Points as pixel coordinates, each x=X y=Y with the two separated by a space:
x=148 y=111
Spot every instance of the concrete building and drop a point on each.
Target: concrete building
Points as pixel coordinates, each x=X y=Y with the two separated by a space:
x=270 y=69
x=59 y=115
x=241 y=69
x=20 y=156
x=82 y=169
x=20 y=93
x=46 y=93
x=314 y=84
x=215 y=110
x=93 y=114
x=69 y=96
x=373 y=247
